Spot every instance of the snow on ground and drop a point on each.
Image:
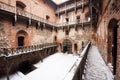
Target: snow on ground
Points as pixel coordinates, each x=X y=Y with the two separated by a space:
x=61 y=66
x=54 y=67
x=96 y=67
x=17 y=76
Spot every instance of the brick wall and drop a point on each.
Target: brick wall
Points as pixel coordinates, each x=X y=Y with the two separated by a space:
x=37 y=7
x=102 y=33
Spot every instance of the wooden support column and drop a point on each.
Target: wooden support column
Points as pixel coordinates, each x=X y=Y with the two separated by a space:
x=40 y=54
x=75 y=8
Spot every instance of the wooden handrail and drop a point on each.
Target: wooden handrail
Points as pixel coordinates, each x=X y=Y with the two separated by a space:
x=18 y=11
x=80 y=69
x=73 y=5
x=24 y=49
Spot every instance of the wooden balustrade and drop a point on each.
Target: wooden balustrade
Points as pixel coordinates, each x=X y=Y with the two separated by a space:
x=18 y=11
x=73 y=23
x=80 y=72
x=7 y=7
x=24 y=49
x=73 y=5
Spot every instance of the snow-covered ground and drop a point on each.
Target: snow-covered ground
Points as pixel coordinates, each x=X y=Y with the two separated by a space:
x=61 y=66
x=96 y=67
x=58 y=66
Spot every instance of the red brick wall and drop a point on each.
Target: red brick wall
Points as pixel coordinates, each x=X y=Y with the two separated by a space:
x=101 y=38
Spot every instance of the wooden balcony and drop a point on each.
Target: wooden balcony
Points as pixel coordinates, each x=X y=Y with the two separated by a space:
x=8 y=52
x=76 y=22
x=71 y=7
x=12 y=10
x=7 y=7
x=25 y=15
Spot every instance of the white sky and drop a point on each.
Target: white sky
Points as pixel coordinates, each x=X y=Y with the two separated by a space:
x=59 y=1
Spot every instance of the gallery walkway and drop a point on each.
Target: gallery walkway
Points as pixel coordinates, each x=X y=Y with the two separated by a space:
x=61 y=66
x=96 y=68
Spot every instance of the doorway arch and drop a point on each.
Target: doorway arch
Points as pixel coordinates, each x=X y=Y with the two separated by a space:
x=22 y=38
x=112 y=43
x=20 y=41
x=75 y=47
x=67 y=46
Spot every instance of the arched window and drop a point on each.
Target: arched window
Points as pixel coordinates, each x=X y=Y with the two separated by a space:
x=67 y=32
x=87 y=15
x=55 y=38
x=22 y=38
x=67 y=19
x=78 y=18
x=20 y=5
x=47 y=17
x=67 y=46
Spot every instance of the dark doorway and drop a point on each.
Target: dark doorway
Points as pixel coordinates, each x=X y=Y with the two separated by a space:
x=67 y=32
x=64 y=49
x=78 y=19
x=67 y=46
x=26 y=67
x=114 y=49
x=75 y=48
x=67 y=19
x=20 y=41
x=55 y=38
x=112 y=43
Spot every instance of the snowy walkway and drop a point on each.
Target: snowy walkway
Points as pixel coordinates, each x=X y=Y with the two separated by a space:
x=96 y=67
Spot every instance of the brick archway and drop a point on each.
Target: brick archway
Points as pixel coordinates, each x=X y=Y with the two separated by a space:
x=112 y=43
x=22 y=38
x=67 y=46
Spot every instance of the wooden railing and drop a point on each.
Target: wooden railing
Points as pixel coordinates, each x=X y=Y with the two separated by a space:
x=79 y=74
x=23 y=12
x=73 y=5
x=7 y=7
x=7 y=52
x=18 y=11
x=73 y=22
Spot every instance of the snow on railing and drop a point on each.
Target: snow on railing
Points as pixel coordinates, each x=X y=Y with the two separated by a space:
x=7 y=52
x=77 y=70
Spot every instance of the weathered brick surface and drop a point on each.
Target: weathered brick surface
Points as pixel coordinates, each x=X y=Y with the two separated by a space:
x=35 y=36
x=103 y=32
x=38 y=36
